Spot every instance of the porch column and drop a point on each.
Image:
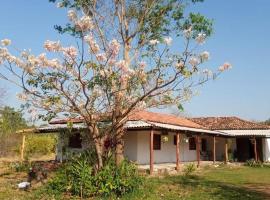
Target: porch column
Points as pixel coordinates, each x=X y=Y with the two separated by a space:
x=198 y=150
x=214 y=149
x=151 y=151
x=226 y=151
x=22 y=148
x=255 y=149
x=177 y=151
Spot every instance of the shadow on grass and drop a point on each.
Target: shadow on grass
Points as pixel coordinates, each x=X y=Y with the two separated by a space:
x=216 y=190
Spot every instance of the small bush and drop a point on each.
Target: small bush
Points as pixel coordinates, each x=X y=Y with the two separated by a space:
x=20 y=166
x=39 y=145
x=79 y=177
x=253 y=163
x=189 y=169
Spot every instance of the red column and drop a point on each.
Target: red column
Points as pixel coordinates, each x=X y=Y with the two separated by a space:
x=255 y=150
x=177 y=151
x=226 y=151
x=214 y=149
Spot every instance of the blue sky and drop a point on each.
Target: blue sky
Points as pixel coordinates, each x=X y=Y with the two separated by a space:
x=241 y=30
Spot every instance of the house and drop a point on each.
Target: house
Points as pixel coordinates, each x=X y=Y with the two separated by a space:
x=249 y=139
x=153 y=138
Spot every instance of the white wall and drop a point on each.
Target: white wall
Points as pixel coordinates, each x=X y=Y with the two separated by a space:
x=130 y=145
x=141 y=151
x=266 y=147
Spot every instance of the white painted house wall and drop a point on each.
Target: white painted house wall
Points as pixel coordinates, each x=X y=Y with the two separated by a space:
x=266 y=147
x=137 y=148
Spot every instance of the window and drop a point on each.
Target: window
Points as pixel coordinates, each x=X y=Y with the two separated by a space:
x=157 y=142
x=75 y=141
x=204 y=144
x=192 y=143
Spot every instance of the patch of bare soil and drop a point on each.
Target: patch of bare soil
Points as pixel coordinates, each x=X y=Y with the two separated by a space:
x=264 y=189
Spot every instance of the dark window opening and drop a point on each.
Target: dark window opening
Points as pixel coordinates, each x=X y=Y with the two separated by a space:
x=157 y=142
x=204 y=144
x=174 y=139
x=192 y=143
x=75 y=141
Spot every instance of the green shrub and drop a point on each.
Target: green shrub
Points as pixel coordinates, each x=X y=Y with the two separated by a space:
x=253 y=163
x=80 y=178
x=39 y=145
x=118 y=180
x=20 y=166
x=189 y=169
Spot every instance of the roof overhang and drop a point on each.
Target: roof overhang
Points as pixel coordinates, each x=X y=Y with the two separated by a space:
x=143 y=124
x=130 y=125
x=50 y=128
x=247 y=133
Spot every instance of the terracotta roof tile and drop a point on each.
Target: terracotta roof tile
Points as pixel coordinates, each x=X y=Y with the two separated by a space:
x=163 y=118
x=148 y=117
x=228 y=123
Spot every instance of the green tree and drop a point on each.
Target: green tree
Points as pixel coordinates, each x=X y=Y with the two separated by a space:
x=2 y=95
x=267 y=121
x=11 y=120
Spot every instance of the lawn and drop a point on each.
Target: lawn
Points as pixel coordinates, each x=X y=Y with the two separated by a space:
x=222 y=182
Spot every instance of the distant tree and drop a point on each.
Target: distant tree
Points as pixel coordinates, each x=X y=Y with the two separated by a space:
x=267 y=121
x=2 y=95
x=11 y=120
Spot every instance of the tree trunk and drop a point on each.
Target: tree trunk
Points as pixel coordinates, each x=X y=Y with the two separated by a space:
x=98 y=142
x=119 y=148
x=99 y=154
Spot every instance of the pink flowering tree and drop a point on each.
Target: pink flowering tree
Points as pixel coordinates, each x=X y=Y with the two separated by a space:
x=130 y=56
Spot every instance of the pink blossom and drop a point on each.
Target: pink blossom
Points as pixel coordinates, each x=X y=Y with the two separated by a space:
x=204 y=56
x=200 y=39
x=88 y=38
x=84 y=24
x=194 y=61
x=153 y=42
x=54 y=63
x=168 y=41
x=5 y=42
x=225 y=66
x=70 y=52
x=22 y=96
x=122 y=65
x=53 y=46
x=111 y=62
x=101 y=57
x=72 y=15
x=142 y=64
x=114 y=48
x=42 y=57
x=92 y=43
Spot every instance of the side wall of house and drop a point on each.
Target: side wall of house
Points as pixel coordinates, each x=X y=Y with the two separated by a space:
x=62 y=148
x=266 y=149
x=130 y=145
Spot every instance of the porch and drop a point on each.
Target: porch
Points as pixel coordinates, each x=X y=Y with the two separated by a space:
x=159 y=148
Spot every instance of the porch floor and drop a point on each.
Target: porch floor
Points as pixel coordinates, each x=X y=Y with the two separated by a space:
x=170 y=167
